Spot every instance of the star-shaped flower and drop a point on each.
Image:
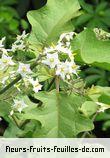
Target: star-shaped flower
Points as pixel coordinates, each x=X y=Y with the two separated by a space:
x=51 y=60
x=24 y=69
x=36 y=85
x=19 y=105
x=6 y=61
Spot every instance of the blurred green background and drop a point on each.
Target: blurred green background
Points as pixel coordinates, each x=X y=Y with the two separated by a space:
x=95 y=13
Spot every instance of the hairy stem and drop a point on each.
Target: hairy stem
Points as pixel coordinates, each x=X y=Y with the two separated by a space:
x=57 y=82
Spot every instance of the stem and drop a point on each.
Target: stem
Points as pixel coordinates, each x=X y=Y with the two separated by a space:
x=16 y=121
x=19 y=77
x=51 y=83
x=11 y=84
x=57 y=82
x=85 y=134
x=93 y=119
x=24 y=123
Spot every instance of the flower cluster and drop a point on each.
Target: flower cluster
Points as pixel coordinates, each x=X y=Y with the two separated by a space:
x=58 y=57
x=2 y=49
x=61 y=58
x=7 y=63
x=101 y=34
x=102 y=107
x=19 y=44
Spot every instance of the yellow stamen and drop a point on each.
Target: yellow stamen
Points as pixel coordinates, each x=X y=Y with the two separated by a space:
x=24 y=69
x=36 y=85
x=62 y=69
x=74 y=66
x=52 y=60
x=5 y=61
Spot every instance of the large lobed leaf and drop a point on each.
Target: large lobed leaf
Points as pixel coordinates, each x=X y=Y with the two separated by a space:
x=91 y=50
x=59 y=115
x=51 y=20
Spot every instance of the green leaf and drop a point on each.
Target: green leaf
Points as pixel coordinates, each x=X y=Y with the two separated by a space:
x=91 y=50
x=43 y=73
x=98 y=93
x=8 y=2
x=104 y=98
x=91 y=79
x=51 y=20
x=101 y=7
x=29 y=129
x=87 y=7
x=89 y=108
x=59 y=115
x=106 y=125
x=12 y=131
x=24 y=24
x=5 y=108
x=81 y=20
x=103 y=116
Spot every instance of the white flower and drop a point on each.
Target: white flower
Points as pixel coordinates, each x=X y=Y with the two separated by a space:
x=66 y=36
x=11 y=112
x=49 y=50
x=71 y=56
x=12 y=74
x=65 y=69
x=6 y=61
x=27 y=81
x=62 y=70
x=36 y=85
x=68 y=76
x=2 y=49
x=63 y=46
x=19 y=44
x=4 y=80
x=102 y=107
x=65 y=39
x=24 y=69
x=72 y=67
x=17 y=86
x=52 y=60
x=22 y=36
x=101 y=34
x=1 y=42
x=62 y=49
x=19 y=105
